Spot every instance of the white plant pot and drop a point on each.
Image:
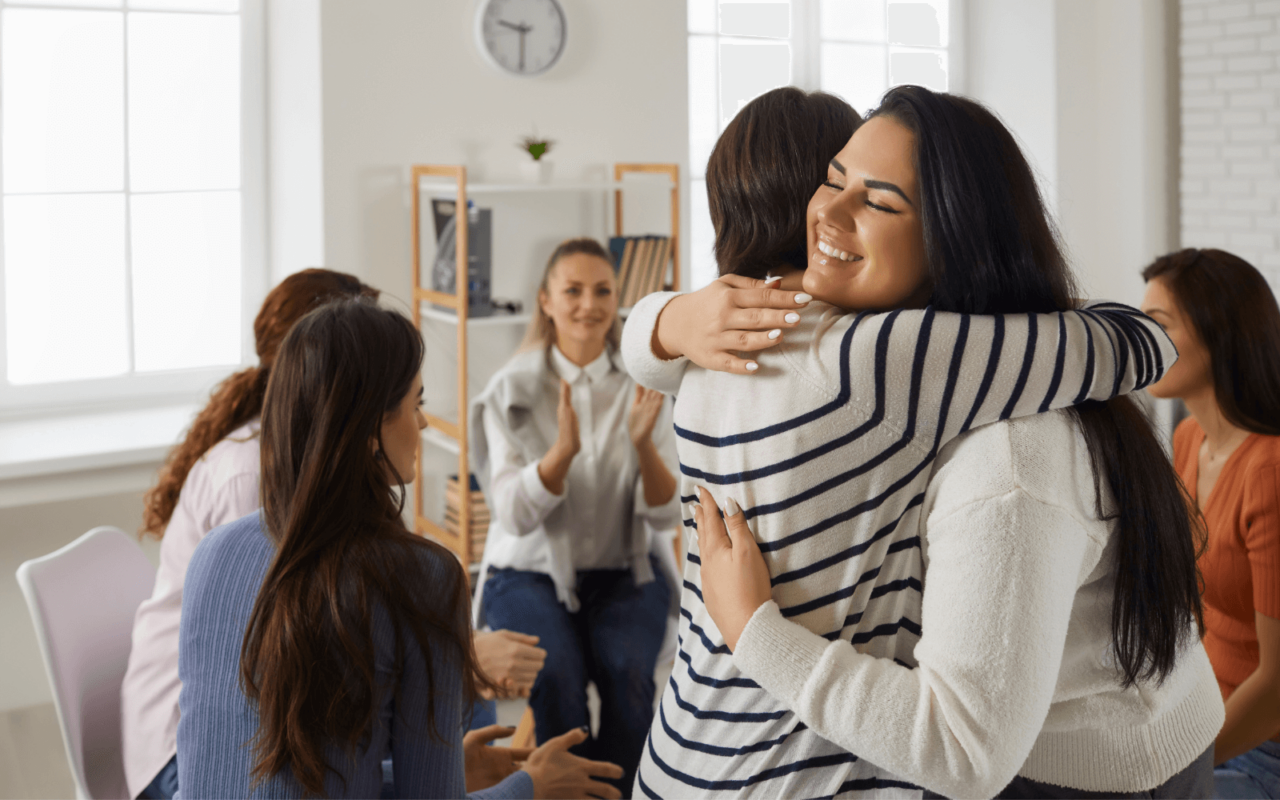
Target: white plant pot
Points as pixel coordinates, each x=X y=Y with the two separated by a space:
x=536 y=171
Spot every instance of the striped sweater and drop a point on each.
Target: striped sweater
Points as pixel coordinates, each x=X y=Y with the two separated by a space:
x=828 y=448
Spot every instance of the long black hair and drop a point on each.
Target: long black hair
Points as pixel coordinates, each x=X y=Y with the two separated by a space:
x=342 y=549
x=1235 y=315
x=992 y=249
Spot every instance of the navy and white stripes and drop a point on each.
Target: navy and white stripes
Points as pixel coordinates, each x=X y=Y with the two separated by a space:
x=828 y=448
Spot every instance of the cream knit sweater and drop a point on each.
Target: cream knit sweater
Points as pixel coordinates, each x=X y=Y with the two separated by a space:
x=1015 y=673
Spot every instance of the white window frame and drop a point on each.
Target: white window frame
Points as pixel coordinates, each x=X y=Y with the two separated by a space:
x=806 y=66
x=135 y=390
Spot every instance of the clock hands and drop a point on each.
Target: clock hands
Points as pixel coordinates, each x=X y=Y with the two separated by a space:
x=522 y=29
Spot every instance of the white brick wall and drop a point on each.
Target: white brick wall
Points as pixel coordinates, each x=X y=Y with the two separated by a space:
x=1230 y=94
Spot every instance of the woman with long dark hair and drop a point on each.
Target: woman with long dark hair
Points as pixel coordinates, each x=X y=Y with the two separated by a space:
x=1222 y=315
x=319 y=635
x=212 y=478
x=1053 y=636
x=209 y=479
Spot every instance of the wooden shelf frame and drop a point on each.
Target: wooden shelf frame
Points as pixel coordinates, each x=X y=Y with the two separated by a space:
x=460 y=542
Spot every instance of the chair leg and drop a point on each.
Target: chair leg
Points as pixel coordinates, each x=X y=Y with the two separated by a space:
x=525 y=736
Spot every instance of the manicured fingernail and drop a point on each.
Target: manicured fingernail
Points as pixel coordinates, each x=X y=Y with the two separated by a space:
x=792 y=317
x=730 y=507
x=752 y=366
x=772 y=278
x=803 y=298
x=775 y=333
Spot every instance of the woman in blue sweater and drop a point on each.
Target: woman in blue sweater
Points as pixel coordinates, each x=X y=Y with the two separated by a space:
x=318 y=635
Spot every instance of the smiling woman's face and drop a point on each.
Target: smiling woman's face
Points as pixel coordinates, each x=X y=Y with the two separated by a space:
x=866 y=241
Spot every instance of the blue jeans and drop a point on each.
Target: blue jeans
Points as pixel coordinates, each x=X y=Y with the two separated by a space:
x=165 y=784
x=1255 y=774
x=612 y=641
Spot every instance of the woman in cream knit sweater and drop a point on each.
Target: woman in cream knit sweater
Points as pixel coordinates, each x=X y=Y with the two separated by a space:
x=1059 y=654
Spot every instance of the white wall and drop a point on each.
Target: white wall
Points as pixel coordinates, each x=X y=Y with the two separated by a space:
x=1085 y=85
x=403 y=83
x=1231 y=121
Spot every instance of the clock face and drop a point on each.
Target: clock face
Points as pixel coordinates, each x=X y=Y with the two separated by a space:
x=523 y=37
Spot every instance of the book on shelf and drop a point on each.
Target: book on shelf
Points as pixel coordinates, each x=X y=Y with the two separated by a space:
x=641 y=265
x=477 y=517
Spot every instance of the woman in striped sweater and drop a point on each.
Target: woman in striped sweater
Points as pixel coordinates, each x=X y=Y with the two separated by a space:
x=1054 y=650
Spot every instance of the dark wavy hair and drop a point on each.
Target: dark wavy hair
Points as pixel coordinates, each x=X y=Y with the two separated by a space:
x=342 y=550
x=1234 y=313
x=764 y=168
x=238 y=399
x=991 y=249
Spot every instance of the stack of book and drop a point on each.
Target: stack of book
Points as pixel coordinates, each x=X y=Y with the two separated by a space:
x=641 y=263
x=479 y=522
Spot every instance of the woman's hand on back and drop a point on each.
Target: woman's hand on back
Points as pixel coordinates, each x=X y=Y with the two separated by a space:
x=735 y=579
x=557 y=773
x=728 y=316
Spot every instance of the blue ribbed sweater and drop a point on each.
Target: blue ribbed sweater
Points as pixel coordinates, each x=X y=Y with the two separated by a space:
x=218 y=721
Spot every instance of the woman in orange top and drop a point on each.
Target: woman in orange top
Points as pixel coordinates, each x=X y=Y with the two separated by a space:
x=1221 y=315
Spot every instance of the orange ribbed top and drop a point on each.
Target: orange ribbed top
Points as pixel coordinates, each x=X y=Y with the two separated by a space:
x=1241 y=564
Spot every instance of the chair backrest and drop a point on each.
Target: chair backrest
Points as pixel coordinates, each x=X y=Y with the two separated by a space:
x=82 y=600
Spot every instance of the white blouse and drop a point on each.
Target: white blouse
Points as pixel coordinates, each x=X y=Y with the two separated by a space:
x=603 y=488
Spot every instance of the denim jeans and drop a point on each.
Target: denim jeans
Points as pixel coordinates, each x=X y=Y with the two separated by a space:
x=165 y=784
x=1255 y=774
x=612 y=641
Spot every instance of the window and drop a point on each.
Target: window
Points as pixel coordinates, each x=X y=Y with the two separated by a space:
x=131 y=222
x=856 y=49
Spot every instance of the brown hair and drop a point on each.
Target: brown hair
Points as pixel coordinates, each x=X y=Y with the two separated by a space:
x=343 y=555
x=764 y=168
x=238 y=399
x=1234 y=312
x=541 y=332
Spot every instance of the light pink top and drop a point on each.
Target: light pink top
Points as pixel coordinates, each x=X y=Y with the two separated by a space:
x=221 y=487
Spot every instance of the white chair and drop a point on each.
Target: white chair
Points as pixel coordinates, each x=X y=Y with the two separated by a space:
x=82 y=599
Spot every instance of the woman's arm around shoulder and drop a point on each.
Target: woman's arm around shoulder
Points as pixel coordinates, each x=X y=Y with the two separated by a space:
x=949 y=372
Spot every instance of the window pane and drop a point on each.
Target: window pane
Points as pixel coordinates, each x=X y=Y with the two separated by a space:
x=64 y=287
x=855 y=72
x=918 y=23
x=186 y=280
x=184 y=102
x=702 y=238
x=702 y=16
x=704 y=127
x=63 y=101
x=186 y=5
x=859 y=20
x=756 y=19
x=923 y=68
x=748 y=71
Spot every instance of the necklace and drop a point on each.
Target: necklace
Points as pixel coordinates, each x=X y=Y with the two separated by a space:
x=1227 y=447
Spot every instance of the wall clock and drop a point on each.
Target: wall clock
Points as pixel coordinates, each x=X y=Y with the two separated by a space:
x=521 y=37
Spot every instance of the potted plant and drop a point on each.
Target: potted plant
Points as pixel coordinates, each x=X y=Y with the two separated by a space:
x=538 y=167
